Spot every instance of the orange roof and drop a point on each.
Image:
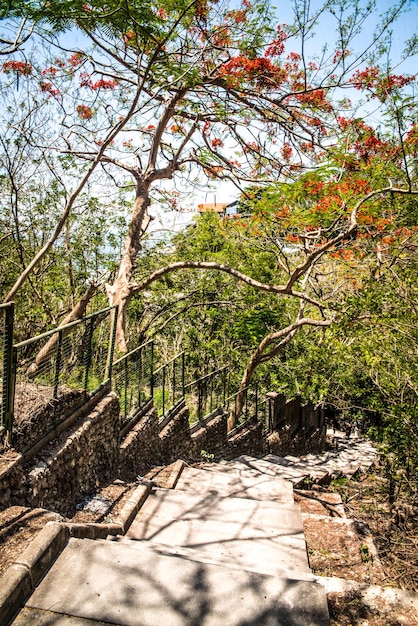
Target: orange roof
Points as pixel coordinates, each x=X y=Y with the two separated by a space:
x=218 y=207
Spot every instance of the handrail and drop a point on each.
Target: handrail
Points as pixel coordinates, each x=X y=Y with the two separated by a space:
x=210 y=375
x=157 y=371
x=49 y=333
x=132 y=352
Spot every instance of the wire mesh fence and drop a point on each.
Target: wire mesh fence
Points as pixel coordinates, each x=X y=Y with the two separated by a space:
x=169 y=385
x=64 y=366
x=206 y=394
x=133 y=379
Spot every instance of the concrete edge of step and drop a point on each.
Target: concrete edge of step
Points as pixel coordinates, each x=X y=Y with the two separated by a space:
x=23 y=575
x=369 y=594
x=26 y=571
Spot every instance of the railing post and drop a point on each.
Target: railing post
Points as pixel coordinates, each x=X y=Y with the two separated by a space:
x=125 y=387
x=199 y=400
x=140 y=374
x=87 y=353
x=173 y=401
x=111 y=352
x=9 y=373
x=163 y=390
x=57 y=365
x=182 y=373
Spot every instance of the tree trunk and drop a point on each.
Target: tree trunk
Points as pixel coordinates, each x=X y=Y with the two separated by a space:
x=120 y=292
x=286 y=335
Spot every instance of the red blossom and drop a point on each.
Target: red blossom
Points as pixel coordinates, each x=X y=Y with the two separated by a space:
x=381 y=87
x=341 y=54
x=84 y=111
x=412 y=136
x=343 y=122
x=129 y=36
x=222 y=37
x=47 y=87
x=49 y=71
x=103 y=84
x=315 y=98
x=239 y=16
x=217 y=142
x=85 y=80
x=206 y=127
x=287 y=151
x=20 y=67
x=76 y=58
x=162 y=14
x=276 y=48
x=261 y=70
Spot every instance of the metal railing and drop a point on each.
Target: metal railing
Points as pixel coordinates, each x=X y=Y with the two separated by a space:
x=73 y=361
x=168 y=385
x=133 y=380
x=6 y=369
x=254 y=407
x=207 y=393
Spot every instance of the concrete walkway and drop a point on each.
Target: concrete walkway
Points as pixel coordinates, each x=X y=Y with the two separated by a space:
x=225 y=547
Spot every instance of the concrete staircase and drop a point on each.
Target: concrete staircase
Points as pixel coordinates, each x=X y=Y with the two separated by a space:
x=225 y=547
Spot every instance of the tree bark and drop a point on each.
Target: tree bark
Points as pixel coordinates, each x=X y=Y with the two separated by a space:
x=258 y=357
x=121 y=291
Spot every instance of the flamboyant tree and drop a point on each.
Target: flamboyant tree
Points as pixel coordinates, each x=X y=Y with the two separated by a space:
x=172 y=90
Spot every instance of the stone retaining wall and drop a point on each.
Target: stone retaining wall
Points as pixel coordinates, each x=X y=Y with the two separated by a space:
x=140 y=449
x=247 y=440
x=211 y=437
x=294 y=428
x=91 y=452
x=78 y=461
x=175 y=440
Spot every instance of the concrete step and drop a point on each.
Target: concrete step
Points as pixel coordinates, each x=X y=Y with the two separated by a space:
x=215 y=554
x=255 y=514
x=237 y=485
x=267 y=550
x=292 y=466
x=282 y=470
x=111 y=582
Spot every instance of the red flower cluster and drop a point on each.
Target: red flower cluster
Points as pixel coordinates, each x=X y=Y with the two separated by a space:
x=365 y=79
x=262 y=70
x=20 y=67
x=217 y=143
x=84 y=111
x=315 y=98
x=103 y=84
x=276 y=48
x=287 y=151
x=75 y=59
x=50 y=71
x=239 y=16
x=381 y=87
x=47 y=87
